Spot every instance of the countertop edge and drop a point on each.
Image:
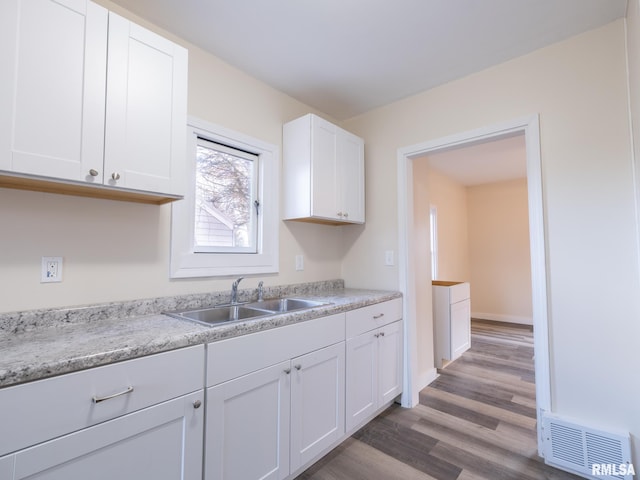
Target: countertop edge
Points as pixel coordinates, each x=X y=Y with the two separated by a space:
x=176 y=334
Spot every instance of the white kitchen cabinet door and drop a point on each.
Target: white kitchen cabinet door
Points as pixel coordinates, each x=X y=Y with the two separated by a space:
x=362 y=378
x=146 y=113
x=6 y=466
x=163 y=442
x=350 y=176
x=460 y=328
x=317 y=403
x=52 y=87
x=374 y=372
x=390 y=349
x=324 y=188
x=248 y=426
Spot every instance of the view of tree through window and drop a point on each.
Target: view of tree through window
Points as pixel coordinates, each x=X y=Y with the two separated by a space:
x=225 y=198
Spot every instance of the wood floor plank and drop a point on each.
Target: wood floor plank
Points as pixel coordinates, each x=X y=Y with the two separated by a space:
x=476 y=421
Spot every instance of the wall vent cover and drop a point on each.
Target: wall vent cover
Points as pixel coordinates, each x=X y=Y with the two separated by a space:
x=584 y=450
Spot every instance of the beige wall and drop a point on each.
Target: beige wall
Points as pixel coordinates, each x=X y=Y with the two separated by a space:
x=499 y=257
x=579 y=89
x=118 y=251
x=450 y=199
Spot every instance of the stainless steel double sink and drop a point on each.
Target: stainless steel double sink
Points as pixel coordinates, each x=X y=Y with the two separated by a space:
x=233 y=313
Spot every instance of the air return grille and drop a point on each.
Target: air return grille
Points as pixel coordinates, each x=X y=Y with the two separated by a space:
x=585 y=450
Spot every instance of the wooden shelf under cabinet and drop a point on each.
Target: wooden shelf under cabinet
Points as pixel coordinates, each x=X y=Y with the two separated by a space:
x=66 y=187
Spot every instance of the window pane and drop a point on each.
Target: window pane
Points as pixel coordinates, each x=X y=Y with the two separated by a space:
x=224 y=201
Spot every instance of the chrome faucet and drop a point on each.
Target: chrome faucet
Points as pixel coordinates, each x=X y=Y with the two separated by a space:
x=234 y=291
x=260 y=291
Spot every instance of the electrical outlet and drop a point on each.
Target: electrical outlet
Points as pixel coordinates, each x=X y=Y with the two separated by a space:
x=388 y=258
x=299 y=262
x=51 y=270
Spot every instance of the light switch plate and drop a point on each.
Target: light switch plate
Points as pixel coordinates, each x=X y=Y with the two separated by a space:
x=299 y=262
x=388 y=258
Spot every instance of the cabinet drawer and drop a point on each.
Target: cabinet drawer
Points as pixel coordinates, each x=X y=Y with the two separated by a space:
x=239 y=356
x=373 y=316
x=459 y=292
x=45 y=409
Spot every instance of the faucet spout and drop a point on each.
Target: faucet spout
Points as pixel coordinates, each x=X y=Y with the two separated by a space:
x=234 y=291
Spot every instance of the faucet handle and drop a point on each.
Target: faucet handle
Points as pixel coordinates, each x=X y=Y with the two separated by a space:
x=260 y=290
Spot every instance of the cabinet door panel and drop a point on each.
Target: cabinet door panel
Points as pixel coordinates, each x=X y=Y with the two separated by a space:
x=350 y=161
x=52 y=87
x=163 y=442
x=6 y=467
x=248 y=426
x=145 y=140
x=390 y=362
x=317 y=403
x=460 y=328
x=362 y=378
x=324 y=193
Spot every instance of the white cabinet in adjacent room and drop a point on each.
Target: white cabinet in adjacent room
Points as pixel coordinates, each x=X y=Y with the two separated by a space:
x=89 y=97
x=374 y=360
x=323 y=172
x=451 y=320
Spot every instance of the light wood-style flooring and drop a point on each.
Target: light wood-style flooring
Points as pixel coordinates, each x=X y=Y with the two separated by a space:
x=477 y=421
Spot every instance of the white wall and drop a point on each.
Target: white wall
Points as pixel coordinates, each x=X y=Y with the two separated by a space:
x=499 y=252
x=579 y=89
x=119 y=251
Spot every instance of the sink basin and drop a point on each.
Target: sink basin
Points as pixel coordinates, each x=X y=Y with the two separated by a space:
x=216 y=315
x=281 y=305
x=233 y=313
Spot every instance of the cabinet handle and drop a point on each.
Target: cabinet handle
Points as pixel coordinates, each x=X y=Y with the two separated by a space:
x=298 y=367
x=339 y=214
x=375 y=317
x=115 y=176
x=382 y=334
x=346 y=215
x=109 y=397
x=376 y=335
x=197 y=404
x=93 y=173
x=287 y=371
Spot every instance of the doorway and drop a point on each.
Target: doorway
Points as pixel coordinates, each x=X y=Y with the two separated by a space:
x=415 y=376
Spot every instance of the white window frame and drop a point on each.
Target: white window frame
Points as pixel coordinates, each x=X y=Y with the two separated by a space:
x=433 y=231
x=185 y=263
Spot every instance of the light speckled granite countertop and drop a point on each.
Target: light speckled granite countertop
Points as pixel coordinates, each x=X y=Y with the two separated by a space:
x=40 y=344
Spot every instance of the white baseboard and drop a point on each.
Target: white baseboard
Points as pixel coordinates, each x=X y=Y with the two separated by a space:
x=499 y=317
x=426 y=378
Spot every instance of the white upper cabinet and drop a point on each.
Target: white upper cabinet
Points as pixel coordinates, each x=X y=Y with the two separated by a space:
x=52 y=87
x=87 y=96
x=323 y=172
x=145 y=140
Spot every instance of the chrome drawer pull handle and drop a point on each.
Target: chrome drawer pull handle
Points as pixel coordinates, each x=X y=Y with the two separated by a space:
x=375 y=317
x=298 y=367
x=108 y=397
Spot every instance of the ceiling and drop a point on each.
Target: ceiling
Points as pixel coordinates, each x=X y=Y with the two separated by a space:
x=487 y=162
x=345 y=57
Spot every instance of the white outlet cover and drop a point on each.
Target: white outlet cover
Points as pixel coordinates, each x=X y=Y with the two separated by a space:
x=299 y=262
x=388 y=258
x=51 y=270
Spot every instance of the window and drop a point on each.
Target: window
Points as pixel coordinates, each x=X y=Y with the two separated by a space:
x=433 y=224
x=227 y=223
x=226 y=199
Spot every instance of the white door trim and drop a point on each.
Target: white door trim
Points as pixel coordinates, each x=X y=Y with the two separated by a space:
x=531 y=129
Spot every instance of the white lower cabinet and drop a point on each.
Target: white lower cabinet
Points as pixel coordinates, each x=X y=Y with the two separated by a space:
x=140 y=418
x=248 y=426
x=373 y=361
x=317 y=403
x=268 y=423
x=162 y=442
